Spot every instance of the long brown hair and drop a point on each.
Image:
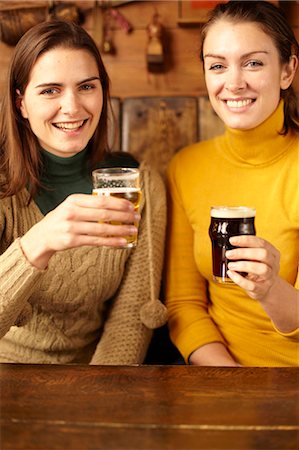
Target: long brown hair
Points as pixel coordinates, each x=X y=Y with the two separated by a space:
x=20 y=162
x=273 y=22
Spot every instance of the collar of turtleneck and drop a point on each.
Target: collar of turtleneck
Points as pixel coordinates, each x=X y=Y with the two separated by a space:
x=61 y=177
x=262 y=145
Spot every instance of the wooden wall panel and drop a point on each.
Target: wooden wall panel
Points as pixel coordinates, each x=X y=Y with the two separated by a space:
x=129 y=75
x=127 y=69
x=154 y=128
x=184 y=74
x=140 y=13
x=5 y=56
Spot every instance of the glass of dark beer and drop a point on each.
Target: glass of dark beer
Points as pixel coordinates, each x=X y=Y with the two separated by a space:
x=119 y=182
x=227 y=221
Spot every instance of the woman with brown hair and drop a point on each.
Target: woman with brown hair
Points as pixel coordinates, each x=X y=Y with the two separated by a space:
x=70 y=292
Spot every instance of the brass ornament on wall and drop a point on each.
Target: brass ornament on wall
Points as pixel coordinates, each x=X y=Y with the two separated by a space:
x=155 y=56
x=66 y=11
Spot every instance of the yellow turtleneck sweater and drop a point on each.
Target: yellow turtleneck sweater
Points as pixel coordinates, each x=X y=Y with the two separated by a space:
x=258 y=168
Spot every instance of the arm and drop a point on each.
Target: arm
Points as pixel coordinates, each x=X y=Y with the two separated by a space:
x=79 y=220
x=279 y=299
x=125 y=338
x=191 y=328
x=23 y=260
x=18 y=278
x=213 y=354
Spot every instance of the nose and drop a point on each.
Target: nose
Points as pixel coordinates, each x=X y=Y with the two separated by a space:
x=235 y=80
x=69 y=103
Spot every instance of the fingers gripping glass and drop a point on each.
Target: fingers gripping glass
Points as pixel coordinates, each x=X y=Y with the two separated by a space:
x=227 y=222
x=122 y=183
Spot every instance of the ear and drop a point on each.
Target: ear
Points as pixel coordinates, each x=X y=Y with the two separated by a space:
x=20 y=104
x=288 y=72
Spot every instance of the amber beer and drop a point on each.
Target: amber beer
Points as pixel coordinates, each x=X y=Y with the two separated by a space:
x=131 y=194
x=122 y=183
x=227 y=222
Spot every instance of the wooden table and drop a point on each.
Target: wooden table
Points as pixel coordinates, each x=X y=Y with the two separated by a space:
x=148 y=407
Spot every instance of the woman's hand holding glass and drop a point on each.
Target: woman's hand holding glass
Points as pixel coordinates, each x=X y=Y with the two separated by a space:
x=80 y=220
x=259 y=259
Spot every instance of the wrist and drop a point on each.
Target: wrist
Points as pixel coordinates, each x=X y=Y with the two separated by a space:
x=212 y=354
x=36 y=253
x=267 y=298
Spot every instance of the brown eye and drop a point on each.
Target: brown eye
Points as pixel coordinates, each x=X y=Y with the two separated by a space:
x=216 y=67
x=254 y=64
x=87 y=87
x=49 y=91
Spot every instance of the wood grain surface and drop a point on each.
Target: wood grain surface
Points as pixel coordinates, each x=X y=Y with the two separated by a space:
x=148 y=407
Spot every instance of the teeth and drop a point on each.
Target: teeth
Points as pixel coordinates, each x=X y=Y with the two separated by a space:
x=238 y=103
x=69 y=125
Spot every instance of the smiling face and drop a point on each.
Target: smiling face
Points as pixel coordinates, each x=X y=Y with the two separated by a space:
x=63 y=100
x=243 y=73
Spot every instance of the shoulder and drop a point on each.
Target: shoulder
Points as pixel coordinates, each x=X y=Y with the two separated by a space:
x=194 y=153
x=188 y=160
x=151 y=179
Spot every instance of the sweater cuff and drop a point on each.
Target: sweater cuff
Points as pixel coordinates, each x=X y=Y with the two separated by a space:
x=18 y=279
x=16 y=271
x=195 y=340
x=292 y=334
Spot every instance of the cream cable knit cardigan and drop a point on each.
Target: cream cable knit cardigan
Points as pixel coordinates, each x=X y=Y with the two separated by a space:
x=85 y=307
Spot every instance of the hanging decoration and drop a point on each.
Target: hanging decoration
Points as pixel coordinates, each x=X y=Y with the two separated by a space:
x=107 y=17
x=108 y=46
x=65 y=11
x=17 y=17
x=155 y=56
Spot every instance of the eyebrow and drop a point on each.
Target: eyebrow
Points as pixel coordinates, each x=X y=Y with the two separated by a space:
x=212 y=55
x=54 y=83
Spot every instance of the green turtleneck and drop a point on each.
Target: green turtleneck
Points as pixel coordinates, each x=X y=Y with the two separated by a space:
x=62 y=177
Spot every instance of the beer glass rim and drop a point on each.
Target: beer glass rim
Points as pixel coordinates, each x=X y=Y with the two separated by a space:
x=116 y=171
x=232 y=212
x=121 y=174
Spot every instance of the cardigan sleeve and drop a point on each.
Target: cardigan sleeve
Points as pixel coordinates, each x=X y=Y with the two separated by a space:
x=125 y=338
x=18 y=279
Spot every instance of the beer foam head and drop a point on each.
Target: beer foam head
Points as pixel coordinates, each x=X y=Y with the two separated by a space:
x=232 y=212
x=115 y=190
x=115 y=177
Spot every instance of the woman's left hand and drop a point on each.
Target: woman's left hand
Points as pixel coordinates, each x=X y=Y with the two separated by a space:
x=259 y=259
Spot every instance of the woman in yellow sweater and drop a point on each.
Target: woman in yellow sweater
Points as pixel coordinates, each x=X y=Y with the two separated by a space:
x=250 y=56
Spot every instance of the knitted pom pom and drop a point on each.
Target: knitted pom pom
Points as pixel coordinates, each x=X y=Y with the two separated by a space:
x=153 y=314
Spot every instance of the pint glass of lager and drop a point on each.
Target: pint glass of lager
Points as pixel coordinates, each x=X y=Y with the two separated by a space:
x=120 y=182
x=226 y=222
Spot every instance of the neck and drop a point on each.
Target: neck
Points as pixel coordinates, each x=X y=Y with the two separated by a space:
x=261 y=145
x=59 y=169
x=62 y=177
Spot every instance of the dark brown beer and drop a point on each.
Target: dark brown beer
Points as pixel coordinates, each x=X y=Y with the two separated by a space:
x=225 y=223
